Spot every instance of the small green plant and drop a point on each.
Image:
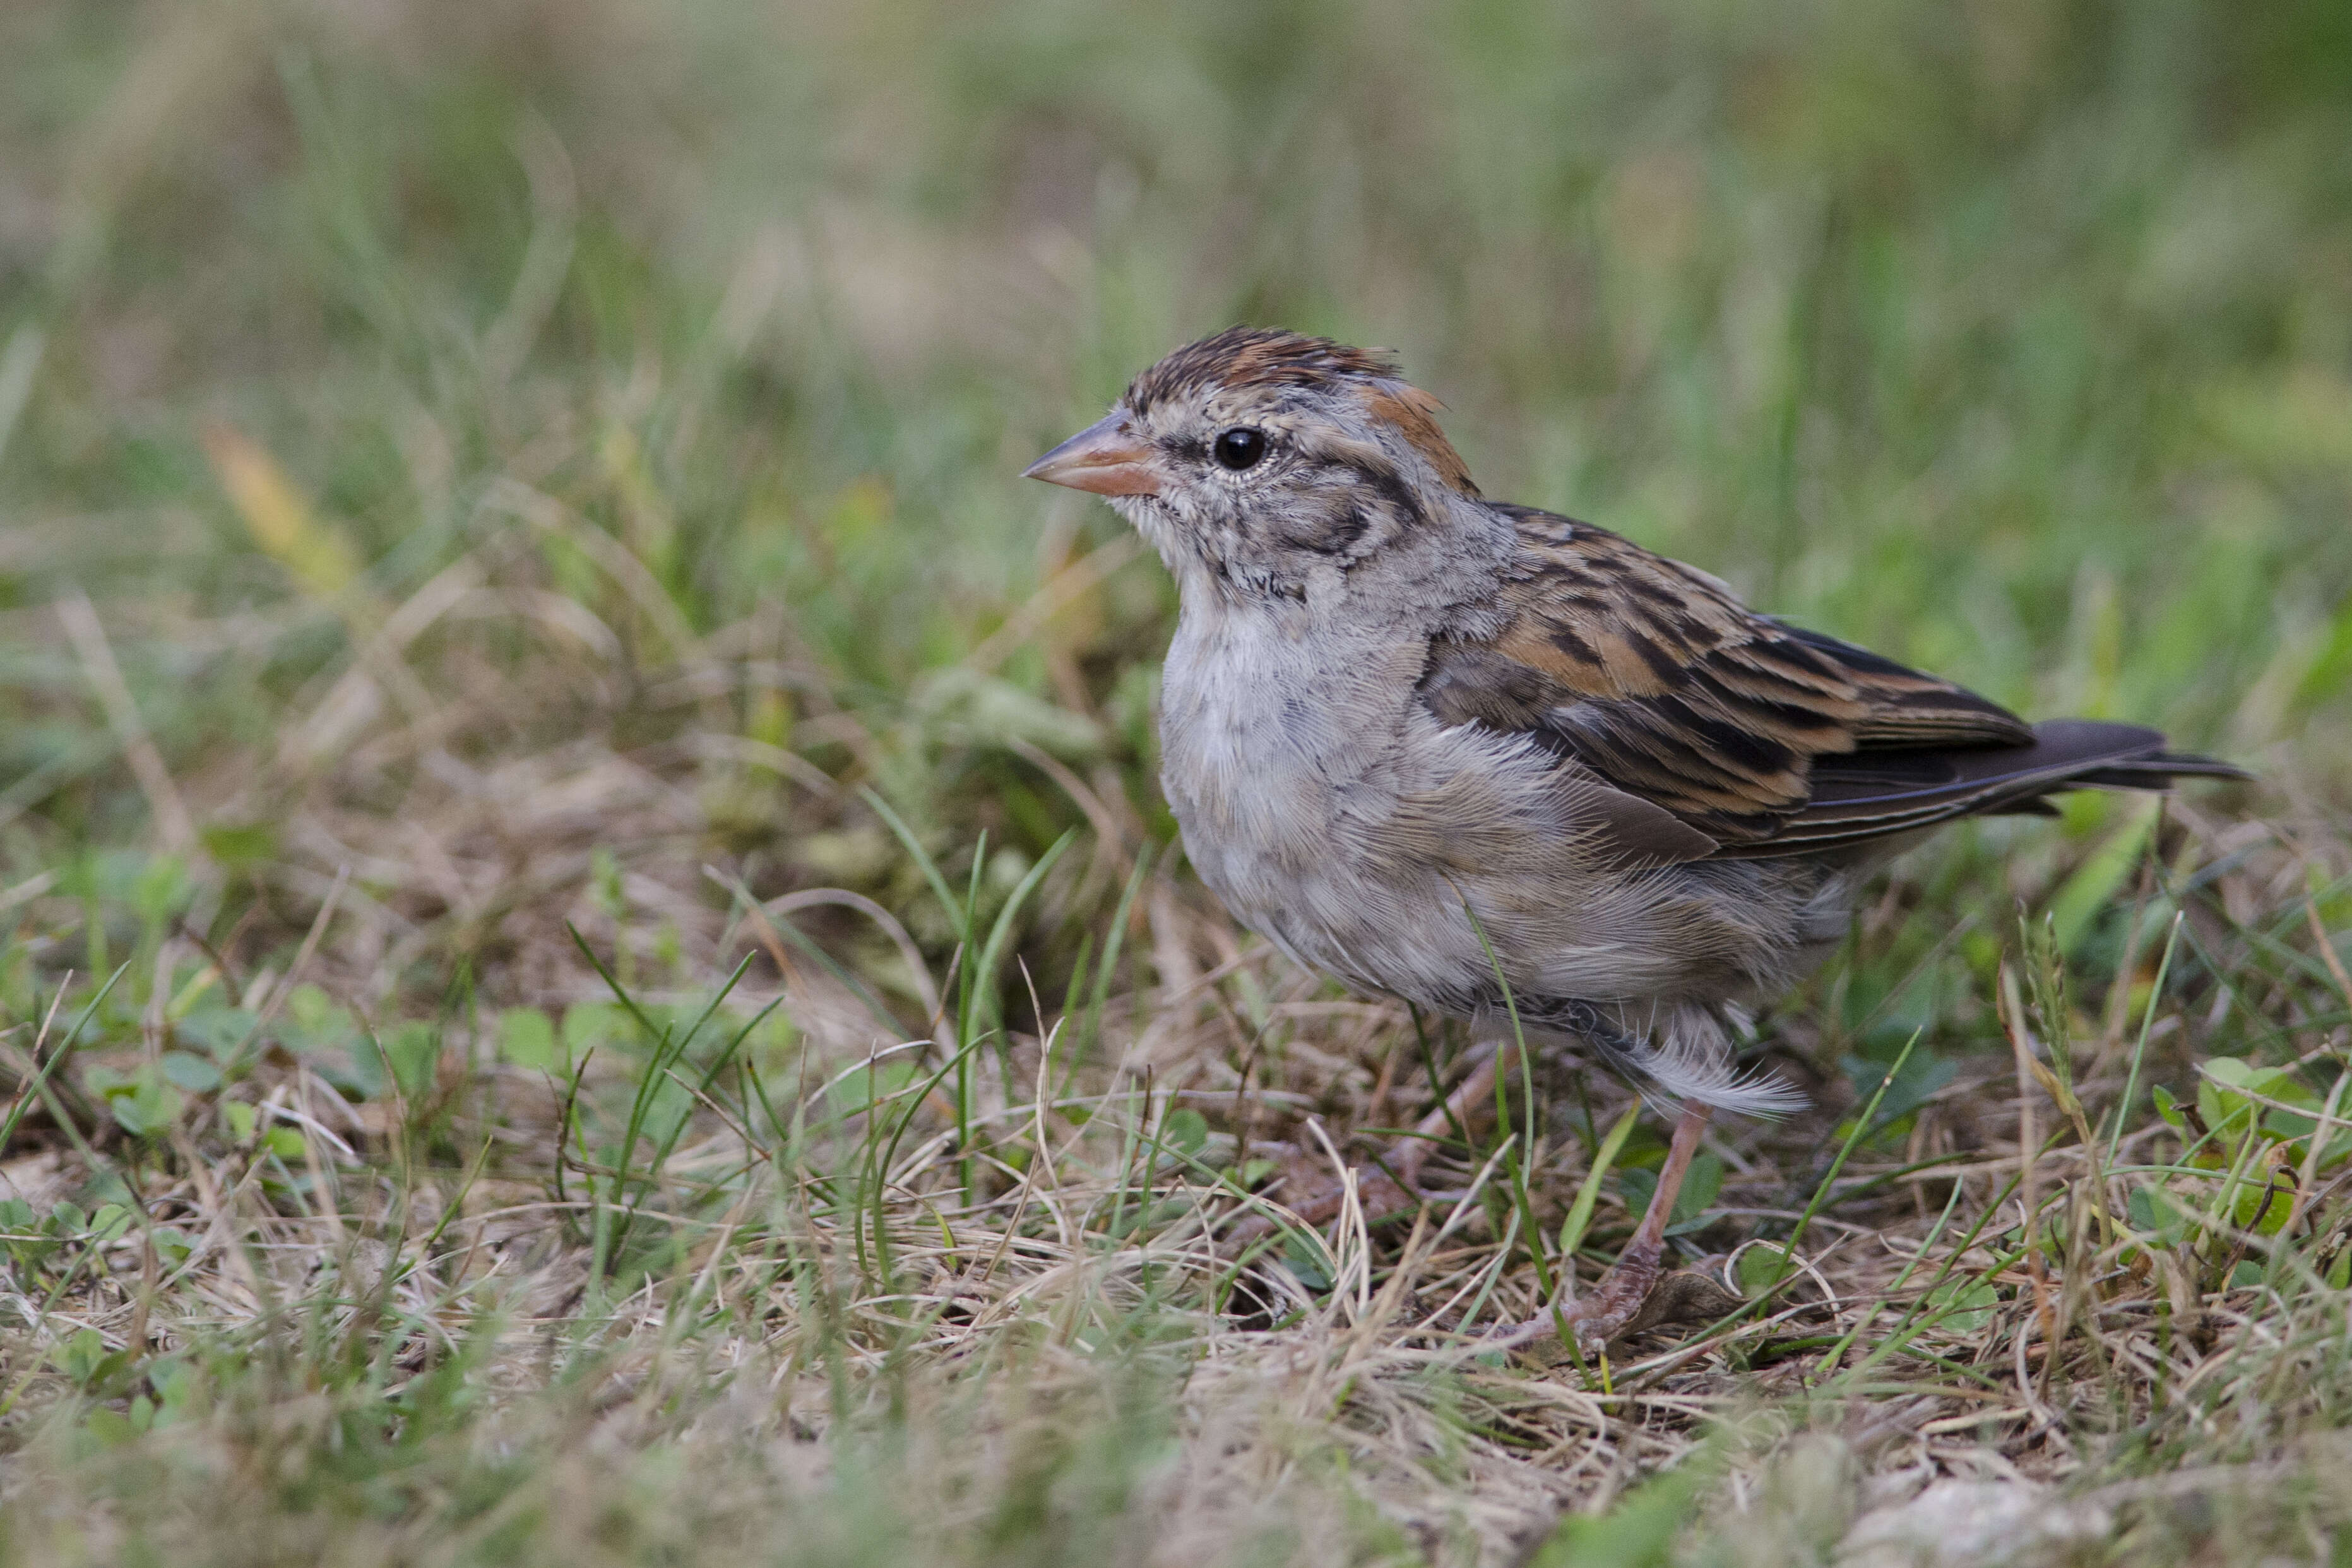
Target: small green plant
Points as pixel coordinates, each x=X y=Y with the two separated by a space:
x=475 y=471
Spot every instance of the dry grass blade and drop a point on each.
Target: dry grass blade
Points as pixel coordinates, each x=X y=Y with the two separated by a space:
x=480 y=475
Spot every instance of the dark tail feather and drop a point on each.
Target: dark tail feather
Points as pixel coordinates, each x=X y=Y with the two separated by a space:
x=2156 y=772
x=1879 y=793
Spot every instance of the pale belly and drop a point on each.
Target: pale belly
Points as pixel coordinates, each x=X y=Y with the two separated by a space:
x=1334 y=815
x=1338 y=818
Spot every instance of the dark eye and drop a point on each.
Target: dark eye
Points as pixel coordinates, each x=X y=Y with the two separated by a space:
x=1240 y=447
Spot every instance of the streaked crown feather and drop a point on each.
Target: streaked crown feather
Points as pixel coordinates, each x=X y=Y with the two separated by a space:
x=1241 y=358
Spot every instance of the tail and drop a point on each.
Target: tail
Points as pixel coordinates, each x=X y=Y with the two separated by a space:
x=1876 y=794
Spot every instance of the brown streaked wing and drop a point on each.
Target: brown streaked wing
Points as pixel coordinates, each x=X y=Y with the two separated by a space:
x=1655 y=676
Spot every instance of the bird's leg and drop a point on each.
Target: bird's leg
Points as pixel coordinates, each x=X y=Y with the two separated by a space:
x=1467 y=1105
x=1600 y=1316
x=1391 y=1183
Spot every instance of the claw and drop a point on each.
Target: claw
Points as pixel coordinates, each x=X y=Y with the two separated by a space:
x=1382 y=1194
x=1616 y=1305
x=1621 y=1304
x=1597 y=1319
x=1379 y=1194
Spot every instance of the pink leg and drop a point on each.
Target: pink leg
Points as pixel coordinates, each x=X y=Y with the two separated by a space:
x=1612 y=1305
x=1466 y=1106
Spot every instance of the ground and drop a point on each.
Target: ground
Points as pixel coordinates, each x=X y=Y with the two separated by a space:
x=592 y=967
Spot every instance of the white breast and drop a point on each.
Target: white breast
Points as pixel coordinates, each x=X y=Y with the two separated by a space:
x=1270 y=736
x=1288 y=759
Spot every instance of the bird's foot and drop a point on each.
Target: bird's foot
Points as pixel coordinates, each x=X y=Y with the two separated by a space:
x=1390 y=1186
x=1635 y=1297
x=1315 y=1194
x=1614 y=1305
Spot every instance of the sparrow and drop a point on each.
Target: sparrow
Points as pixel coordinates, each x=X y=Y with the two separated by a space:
x=1512 y=767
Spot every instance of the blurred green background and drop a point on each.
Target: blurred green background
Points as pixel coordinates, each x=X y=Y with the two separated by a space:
x=2013 y=338
x=477 y=463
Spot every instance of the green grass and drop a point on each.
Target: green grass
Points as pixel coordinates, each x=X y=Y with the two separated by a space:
x=591 y=969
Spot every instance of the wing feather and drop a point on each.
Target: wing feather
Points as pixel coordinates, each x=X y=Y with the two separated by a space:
x=1766 y=738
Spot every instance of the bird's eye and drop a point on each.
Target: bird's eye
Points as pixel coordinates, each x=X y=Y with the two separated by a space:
x=1240 y=447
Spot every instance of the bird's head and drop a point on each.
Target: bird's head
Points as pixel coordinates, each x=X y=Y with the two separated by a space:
x=1260 y=460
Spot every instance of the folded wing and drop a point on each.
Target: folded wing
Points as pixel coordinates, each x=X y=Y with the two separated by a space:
x=1765 y=738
